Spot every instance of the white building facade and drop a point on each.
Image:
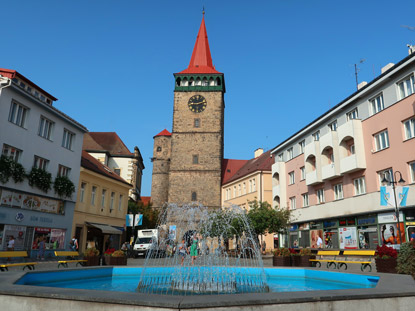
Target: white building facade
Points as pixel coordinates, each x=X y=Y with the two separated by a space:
x=36 y=134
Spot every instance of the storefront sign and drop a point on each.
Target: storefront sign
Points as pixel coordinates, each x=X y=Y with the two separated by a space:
x=410 y=223
x=315 y=225
x=389 y=217
x=330 y=223
x=348 y=238
x=366 y=221
x=293 y=227
x=19 y=217
x=304 y=226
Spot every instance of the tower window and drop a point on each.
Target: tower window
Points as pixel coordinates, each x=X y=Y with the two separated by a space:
x=195 y=159
x=158 y=149
x=197 y=123
x=194 y=196
x=217 y=81
x=178 y=82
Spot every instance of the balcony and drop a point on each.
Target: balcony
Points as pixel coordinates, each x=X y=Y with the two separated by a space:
x=312 y=178
x=276 y=191
x=351 y=164
x=329 y=172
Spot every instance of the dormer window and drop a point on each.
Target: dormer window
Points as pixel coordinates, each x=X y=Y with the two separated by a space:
x=158 y=149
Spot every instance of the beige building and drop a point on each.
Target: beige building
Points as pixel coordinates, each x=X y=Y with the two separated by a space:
x=101 y=206
x=248 y=180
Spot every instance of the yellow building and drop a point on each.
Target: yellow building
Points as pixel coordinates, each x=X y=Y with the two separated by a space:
x=101 y=206
x=249 y=180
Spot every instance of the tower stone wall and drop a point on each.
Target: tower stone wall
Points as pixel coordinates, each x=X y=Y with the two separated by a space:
x=161 y=168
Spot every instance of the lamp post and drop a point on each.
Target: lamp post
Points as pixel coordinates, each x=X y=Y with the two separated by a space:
x=393 y=182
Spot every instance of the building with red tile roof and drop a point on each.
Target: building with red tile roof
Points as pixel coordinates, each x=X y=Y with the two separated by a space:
x=109 y=149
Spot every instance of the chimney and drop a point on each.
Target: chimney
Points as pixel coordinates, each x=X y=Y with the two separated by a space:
x=387 y=67
x=361 y=84
x=258 y=152
x=411 y=49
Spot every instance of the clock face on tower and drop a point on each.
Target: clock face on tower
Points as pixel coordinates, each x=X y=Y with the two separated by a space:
x=197 y=103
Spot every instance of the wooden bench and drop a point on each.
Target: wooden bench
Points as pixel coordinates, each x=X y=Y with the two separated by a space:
x=326 y=256
x=16 y=254
x=72 y=254
x=365 y=262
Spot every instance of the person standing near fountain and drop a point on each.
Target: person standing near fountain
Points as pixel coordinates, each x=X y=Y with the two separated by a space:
x=183 y=251
x=193 y=249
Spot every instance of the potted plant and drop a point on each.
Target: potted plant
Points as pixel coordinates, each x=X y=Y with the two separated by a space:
x=295 y=257
x=406 y=259
x=386 y=259
x=282 y=257
x=118 y=258
x=92 y=256
x=107 y=256
x=305 y=255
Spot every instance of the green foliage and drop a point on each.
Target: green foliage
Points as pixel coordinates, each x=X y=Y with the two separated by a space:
x=91 y=252
x=264 y=218
x=10 y=168
x=63 y=186
x=406 y=259
x=305 y=252
x=150 y=215
x=225 y=224
x=40 y=178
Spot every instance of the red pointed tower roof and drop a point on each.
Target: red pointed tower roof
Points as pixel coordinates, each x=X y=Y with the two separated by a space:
x=163 y=133
x=201 y=61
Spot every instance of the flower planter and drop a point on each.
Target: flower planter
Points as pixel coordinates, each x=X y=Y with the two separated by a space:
x=296 y=261
x=281 y=261
x=386 y=265
x=115 y=261
x=305 y=260
x=92 y=261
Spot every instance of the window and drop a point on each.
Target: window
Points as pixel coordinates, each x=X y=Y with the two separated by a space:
x=351 y=149
x=239 y=190
x=291 y=178
x=381 y=140
x=104 y=192
x=11 y=152
x=63 y=170
x=244 y=188
x=40 y=163
x=320 y=196
x=117 y=171
x=409 y=126
x=194 y=196
x=82 y=192
x=253 y=185
x=406 y=87
x=333 y=126
x=305 y=199
x=412 y=171
x=352 y=115
x=197 y=123
x=195 y=159
x=112 y=201
x=120 y=202
x=359 y=186
x=302 y=169
x=234 y=191
x=280 y=157
x=250 y=186
x=316 y=136
x=302 y=146
x=18 y=114
x=158 y=149
x=338 y=192
x=93 y=193
x=290 y=153
x=45 y=128
x=377 y=104
x=67 y=140
x=293 y=204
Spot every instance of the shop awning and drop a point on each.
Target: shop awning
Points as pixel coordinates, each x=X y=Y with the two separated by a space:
x=107 y=229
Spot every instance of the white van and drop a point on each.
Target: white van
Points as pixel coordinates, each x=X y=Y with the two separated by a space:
x=144 y=240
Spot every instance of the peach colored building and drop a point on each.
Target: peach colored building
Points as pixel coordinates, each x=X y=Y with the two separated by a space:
x=248 y=180
x=330 y=172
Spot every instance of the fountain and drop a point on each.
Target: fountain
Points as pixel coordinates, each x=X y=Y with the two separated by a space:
x=213 y=270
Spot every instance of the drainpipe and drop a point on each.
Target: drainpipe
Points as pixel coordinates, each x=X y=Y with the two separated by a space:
x=5 y=82
x=260 y=187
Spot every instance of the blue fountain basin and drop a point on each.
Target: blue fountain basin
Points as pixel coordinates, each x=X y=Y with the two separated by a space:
x=126 y=279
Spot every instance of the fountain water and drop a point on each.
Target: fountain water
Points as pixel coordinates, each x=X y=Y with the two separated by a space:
x=212 y=270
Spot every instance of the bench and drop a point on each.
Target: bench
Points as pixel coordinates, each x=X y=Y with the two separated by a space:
x=16 y=254
x=326 y=256
x=365 y=262
x=74 y=255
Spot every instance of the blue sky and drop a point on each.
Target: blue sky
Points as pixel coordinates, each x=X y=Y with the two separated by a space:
x=111 y=63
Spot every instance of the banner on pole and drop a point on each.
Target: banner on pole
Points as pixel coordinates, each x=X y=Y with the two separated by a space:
x=129 y=219
x=138 y=220
x=387 y=197
x=402 y=195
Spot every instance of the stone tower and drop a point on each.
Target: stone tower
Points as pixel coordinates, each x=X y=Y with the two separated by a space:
x=197 y=134
x=161 y=166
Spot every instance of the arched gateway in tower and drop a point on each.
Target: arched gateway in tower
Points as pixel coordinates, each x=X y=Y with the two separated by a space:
x=187 y=163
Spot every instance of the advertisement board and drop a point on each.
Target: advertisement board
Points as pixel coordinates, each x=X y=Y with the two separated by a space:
x=348 y=238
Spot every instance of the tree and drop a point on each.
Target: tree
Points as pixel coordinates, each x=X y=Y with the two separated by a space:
x=150 y=216
x=264 y=219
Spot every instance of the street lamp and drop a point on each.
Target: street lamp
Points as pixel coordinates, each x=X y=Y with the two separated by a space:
x=393 y=182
